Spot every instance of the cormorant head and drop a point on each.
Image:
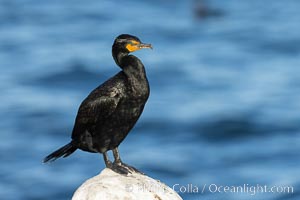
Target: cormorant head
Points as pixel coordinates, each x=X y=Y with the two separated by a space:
x=125 y=44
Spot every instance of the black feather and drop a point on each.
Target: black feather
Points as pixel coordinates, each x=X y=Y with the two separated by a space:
x=62 y=152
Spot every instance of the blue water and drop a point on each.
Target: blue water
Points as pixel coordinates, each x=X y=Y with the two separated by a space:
x=224 y=104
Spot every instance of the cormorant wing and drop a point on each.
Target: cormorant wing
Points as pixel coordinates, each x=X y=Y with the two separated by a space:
x=97 y=107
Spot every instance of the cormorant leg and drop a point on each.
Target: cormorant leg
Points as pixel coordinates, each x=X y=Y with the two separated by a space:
x=106 y=160
x=117 y=156
x=120 y=167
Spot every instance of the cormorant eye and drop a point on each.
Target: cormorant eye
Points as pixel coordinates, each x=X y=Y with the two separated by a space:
x=133 y=42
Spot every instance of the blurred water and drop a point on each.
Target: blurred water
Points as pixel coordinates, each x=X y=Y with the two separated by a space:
x=224 y=104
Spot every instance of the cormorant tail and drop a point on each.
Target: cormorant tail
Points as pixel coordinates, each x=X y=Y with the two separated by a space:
x=62 y=152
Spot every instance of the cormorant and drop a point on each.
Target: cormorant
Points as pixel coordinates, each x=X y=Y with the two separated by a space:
x=111 y=110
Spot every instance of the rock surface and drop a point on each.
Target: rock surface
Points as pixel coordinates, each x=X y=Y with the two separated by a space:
x=109 y=185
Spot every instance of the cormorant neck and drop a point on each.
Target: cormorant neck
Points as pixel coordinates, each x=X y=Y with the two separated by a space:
x=118 y=58
x=133 y=67
x=130 y=64
x=135 y=72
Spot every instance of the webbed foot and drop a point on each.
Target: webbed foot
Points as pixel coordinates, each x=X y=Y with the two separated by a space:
x=122 y=168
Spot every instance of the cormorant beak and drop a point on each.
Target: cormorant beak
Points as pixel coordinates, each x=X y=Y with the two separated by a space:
x=135 y=46
x=145 y=46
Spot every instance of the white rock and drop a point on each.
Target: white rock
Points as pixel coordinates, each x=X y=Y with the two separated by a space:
x=109 y=185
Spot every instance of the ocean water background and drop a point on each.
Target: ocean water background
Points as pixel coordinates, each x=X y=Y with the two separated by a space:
x=225 y=93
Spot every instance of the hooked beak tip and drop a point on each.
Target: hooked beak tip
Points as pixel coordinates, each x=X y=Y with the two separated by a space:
x=146 y=46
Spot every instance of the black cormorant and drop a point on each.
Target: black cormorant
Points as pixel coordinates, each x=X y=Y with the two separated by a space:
x=111 y=110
